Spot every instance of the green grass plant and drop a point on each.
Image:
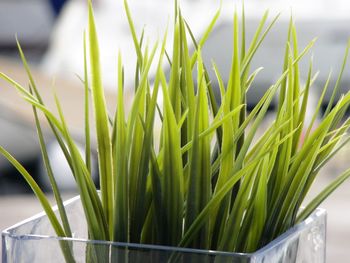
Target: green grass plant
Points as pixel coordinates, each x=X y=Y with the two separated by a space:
x=208 y=181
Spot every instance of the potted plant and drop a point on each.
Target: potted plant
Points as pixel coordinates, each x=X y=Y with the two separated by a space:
x=207 y=189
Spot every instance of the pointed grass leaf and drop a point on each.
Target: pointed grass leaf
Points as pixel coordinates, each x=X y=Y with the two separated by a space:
x=102 y=125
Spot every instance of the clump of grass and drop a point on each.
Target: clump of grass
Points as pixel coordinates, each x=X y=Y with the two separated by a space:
x=209 y=183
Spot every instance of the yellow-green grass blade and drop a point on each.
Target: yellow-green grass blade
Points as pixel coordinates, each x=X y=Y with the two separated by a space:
x=305 y=151
x=148 y=154
x=272 y=134
x=54 y=124
x=97 y=226
x=47 y=113
x=182 y=121
x=26 y=67
x=147 y=146
x=44 y=151
x=201 y=43
x=205 y=35
x=329 y=144
x=243 y=34
x=234 y=92
x=250 y=136
x=102 y=126
x=27 y=94
x=137 y=214
x=251 y=78
x=213 y=103
x=337 y=84
x=256 y=211
x=37 y=191
x=318 y=107
x=296 y=82
x=326 y=152
x=218 y=197
x=134 y=144
x=38 y=96
x=173 y=182
x=303 y=108
x=288 y=210
x=174 y=82
x=86 y=111
x=288 y=113
x=59 y=126
x=199 y=189
x=66 y=249
x=138 y=67
x=317 y=166
x=188 y=83
x=52 y=179
x=234 y=220
x=285 y=65
x=219 y=79
x=297 y=175
x=256 y=42
x=18 y=86
x=266 y=100
x=133 y=34
x=137 y=98
x=331 y=155
x=228 y=238
x=159 y=210
x=120 y=172
x=233 y=98
x=212 y=128
x=322 y=196
x=227 y=147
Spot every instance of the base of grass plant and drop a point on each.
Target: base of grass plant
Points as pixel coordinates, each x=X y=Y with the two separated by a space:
x=34 y=240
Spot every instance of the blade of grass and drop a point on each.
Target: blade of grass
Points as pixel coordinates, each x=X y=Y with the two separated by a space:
x=102 y=126
x=120 y=173
x=55 y=190
x=337 y=84
x=322 y=196
x=172 y=170
x=37 y=191
x=86 y=111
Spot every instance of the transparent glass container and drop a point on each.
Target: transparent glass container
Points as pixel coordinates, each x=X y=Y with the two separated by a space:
x=34 y=240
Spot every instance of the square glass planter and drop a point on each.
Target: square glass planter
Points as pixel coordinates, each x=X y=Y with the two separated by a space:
x=34 y=240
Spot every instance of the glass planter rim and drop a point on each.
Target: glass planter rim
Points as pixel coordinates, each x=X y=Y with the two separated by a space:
x=279 y=240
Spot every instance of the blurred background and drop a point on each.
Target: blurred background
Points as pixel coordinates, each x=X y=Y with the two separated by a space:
x=51 y=35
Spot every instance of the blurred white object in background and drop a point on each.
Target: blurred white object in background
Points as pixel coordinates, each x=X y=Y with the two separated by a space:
x=323 y=19
x=65 y=55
